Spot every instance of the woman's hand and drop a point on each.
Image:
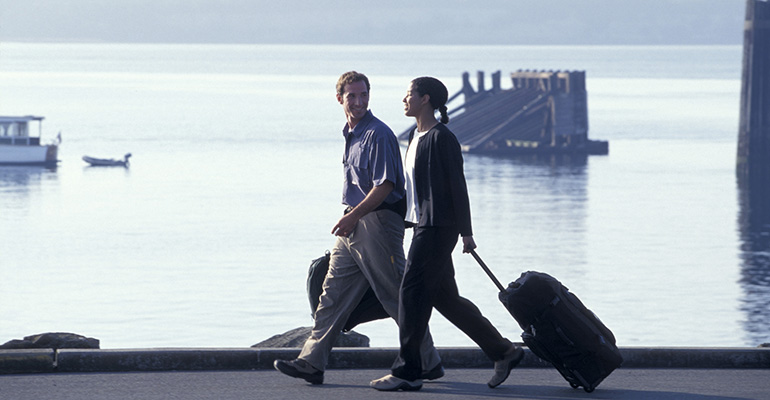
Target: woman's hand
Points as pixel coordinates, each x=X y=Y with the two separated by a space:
x=468 y=244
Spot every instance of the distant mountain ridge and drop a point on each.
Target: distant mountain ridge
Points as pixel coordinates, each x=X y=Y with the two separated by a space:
x=521 y=22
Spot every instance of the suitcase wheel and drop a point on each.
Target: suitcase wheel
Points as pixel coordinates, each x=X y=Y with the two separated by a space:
x=576 y=386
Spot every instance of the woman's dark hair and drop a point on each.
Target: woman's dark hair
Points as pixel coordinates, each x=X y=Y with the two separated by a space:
x=436 y=90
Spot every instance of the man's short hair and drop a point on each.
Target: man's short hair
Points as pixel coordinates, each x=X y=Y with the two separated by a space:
x=351 y=77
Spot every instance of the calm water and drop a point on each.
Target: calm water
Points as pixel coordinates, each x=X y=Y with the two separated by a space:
x=235 y=184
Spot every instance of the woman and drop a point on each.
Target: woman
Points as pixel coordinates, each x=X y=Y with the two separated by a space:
x=439 y=210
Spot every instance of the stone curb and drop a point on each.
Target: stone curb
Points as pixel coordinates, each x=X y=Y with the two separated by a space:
x=27 y=361
x=202 y=359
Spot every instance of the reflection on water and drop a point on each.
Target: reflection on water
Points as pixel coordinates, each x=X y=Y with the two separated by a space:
x=559 y=163
x=22 y=176
x=17 y=187
x=17 y=181
x=530 y=203
x=754 y=225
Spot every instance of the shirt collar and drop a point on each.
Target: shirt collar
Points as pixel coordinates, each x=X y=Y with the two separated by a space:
x=360 y=126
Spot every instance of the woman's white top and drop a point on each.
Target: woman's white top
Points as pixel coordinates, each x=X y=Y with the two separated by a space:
x=412 y=212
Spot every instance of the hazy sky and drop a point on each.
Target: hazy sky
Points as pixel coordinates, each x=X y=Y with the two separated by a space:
x=376 y=22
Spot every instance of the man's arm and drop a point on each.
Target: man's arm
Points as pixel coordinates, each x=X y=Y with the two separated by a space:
x=372 y=200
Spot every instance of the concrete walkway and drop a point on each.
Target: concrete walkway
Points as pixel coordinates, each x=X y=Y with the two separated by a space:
x=224 y=374
x=344 y=384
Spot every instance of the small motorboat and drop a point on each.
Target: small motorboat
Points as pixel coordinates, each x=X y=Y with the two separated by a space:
x=107 y=162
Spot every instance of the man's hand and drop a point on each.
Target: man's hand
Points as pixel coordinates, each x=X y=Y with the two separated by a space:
x=345 y=225
x=348 y=222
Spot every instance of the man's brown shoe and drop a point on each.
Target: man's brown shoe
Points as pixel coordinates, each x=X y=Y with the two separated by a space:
x=300 y=368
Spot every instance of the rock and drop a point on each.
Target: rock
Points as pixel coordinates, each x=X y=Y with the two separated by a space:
x=58 y=340
x=297 y=337
x=764 y=345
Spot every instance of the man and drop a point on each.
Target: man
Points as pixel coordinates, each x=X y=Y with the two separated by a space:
x=369 y=250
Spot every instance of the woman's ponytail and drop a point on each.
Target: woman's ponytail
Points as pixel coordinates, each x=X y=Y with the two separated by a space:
x=444 y=116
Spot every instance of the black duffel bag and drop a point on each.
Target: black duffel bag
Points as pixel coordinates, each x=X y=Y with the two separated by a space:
x=369 y=309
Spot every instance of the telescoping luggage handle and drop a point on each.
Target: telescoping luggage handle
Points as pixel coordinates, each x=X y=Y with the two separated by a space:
x=486 y=269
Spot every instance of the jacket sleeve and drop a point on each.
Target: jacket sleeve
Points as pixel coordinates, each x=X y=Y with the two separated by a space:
x=452 y=165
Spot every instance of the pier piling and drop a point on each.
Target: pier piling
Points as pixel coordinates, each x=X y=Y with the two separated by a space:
x=753 y=162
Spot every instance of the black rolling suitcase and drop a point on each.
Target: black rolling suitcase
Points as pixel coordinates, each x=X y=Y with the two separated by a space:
x=559 y=329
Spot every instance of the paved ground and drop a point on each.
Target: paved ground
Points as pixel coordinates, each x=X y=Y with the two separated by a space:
x=461 y=384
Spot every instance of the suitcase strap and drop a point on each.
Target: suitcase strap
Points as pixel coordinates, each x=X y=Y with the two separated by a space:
x=547 y=311
x=543 y=318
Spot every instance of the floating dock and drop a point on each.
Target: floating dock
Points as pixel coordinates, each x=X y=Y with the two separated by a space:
x=544 y=112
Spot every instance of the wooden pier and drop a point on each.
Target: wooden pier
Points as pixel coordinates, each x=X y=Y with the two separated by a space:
x=544 y=112
x=753 y=162
x=753 y=166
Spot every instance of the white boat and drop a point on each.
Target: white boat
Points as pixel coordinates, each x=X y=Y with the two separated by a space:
x=19 y=146
x=107 y=162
